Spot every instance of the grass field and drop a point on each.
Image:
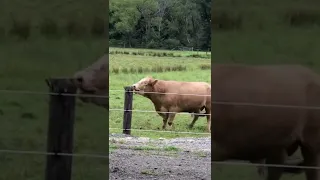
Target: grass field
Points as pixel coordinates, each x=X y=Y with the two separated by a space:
x=24 y=117
x=188 y=69
x=158 y=52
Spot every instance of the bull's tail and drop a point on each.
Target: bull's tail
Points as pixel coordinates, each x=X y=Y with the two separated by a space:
x=202 y=114
x=294 y=170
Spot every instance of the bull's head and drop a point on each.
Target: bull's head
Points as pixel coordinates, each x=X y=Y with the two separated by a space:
x=94 y=81
x=144 y=85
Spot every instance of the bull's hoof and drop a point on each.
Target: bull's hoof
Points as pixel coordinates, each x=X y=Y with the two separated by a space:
x=171 y=127
x=190 y=126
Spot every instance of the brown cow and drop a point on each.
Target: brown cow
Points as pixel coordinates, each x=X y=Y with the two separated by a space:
x=251 y=133
x=94 y=80
x=150 y=88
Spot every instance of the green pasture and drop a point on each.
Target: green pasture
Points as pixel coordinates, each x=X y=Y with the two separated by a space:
x=24 y=117
x=191 y=71
x=157 y=52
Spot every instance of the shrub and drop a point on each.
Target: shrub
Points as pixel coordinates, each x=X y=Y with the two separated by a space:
x=21 y=29
x=302 y=18
x=48 y=28
x=205 y=66
x=75 y=29
x=224 y=21
x=98 y=27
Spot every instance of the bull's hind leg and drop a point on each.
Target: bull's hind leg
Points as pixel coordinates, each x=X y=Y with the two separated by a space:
x=311 y=158
x=208 y=112
x=275 y=173
x=195 y=118
x=261 y=169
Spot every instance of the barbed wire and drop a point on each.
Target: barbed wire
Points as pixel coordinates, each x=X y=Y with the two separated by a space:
x=108 y=157
x=172 y=132
x=263 y=164
x=50 y=93
x=23 y=152
x=86 y=95
x=213 y=102
x=147 y=111
x=10 y=151
x=162 y=93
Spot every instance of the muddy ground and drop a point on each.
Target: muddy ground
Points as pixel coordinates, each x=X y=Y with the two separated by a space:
x=167 y=159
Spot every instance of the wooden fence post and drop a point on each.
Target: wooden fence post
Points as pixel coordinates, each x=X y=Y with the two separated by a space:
x=127 y=114
x=60 y=129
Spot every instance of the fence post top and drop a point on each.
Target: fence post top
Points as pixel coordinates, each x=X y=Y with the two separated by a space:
x=128 y=88
x=61 y=85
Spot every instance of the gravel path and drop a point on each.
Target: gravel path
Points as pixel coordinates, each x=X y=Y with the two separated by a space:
x=167 y=159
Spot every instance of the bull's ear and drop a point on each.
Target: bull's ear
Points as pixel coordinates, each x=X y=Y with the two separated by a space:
x=154 y=82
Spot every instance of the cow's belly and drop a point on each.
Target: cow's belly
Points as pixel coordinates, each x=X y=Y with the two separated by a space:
x=251 y=132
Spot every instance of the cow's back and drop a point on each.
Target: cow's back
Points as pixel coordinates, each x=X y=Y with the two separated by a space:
x=252 y=126
x=185 y=95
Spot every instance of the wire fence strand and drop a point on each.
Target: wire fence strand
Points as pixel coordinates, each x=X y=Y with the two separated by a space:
x=49 y=93
x=147 y=111
x=213 y=102
x=10 y=151
x=86 y=95
x=206 y=95
x=158 y=131
x=262 y=165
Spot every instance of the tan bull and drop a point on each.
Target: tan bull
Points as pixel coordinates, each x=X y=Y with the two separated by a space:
x=251 y=132
x=248 y=83
x=94 y=80
x=176 y=96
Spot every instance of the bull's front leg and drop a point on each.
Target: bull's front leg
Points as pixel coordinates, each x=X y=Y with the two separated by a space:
x=170 y=119
x=163 y=113
x=165 y=120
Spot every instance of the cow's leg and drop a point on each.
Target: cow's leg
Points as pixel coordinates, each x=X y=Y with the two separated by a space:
x=208 y=112
x=311 y=158
x=165 y=119
x=275 y=173
x=195 y=118
x=170 y=119
x=261 y=169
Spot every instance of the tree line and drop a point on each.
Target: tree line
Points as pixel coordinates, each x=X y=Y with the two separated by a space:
x=160 y=24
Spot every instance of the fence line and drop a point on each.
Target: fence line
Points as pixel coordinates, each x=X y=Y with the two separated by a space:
x=213 y=102
x=143 y=111
x=87 y=95
x=263 y=165
x=172 y=132
x=9 y=151
x=107 y=156
x=162 y=93
x=48 y=93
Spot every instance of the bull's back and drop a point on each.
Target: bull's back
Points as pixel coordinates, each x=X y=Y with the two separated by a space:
x=187 y=95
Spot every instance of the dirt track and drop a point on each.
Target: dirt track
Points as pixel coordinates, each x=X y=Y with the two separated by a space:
x=174 y=159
